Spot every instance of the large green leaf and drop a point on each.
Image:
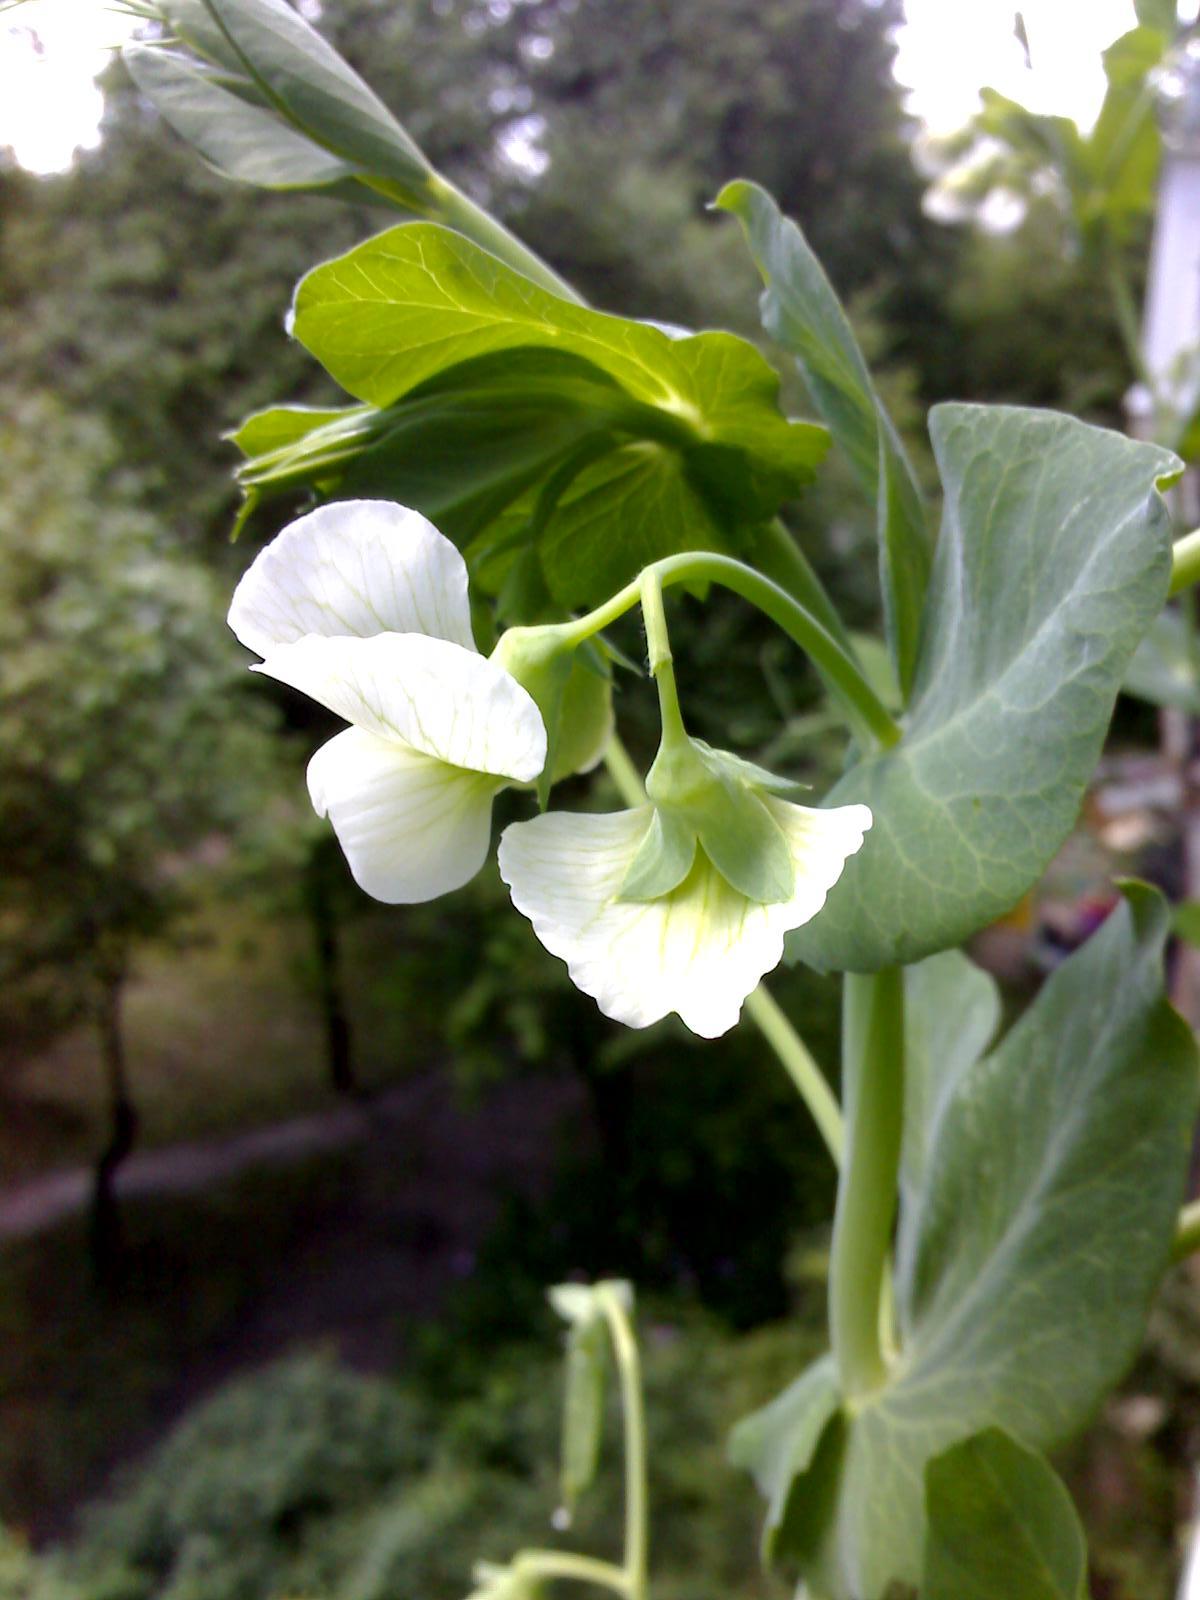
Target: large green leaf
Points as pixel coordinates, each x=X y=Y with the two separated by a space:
x=1052 y=563
x=272 y=55
x=1041 y=1224
x=1001 y=1524
x=801 y=312
x=633 y=444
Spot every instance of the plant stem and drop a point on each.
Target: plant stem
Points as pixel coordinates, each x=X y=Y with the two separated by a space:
x=798 y=1063
x=623 y=773
x=662 y=667
x=867 y=714
x=562 y=1564
x=873 y=1094
x=783 y=561
x=458 y=211
x=1125 y=313
x=1185 y=562
x=637 y=1538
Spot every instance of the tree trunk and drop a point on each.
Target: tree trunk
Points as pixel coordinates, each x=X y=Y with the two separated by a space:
x=330 y=994
x=107 y=1234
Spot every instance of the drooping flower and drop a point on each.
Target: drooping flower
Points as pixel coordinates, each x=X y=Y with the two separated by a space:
x=363 y=605
x=647 y=921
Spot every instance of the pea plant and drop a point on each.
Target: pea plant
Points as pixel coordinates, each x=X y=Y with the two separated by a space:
x=513 y=462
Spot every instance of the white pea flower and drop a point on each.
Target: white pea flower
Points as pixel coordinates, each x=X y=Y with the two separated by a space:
x=647 y=923
x=363 y=605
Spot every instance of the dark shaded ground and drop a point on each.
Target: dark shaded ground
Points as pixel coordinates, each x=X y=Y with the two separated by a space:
x=340 y=1228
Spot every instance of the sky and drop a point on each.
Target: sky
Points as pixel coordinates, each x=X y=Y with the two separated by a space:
x=51 y=50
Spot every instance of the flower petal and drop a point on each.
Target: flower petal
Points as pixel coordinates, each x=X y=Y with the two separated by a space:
x=435 y=696
x=356 y=568
x=412 y=827
x=698 y=951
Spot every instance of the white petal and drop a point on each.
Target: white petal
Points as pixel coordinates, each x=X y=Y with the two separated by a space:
x=435 y=696
x=821 y=842
x=411 y=826
x=698 y=951
x=357 y=568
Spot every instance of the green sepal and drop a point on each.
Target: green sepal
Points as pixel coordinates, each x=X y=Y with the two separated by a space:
x=739 y=770
x=663 y=860
x=574 y=699
x=736 y=831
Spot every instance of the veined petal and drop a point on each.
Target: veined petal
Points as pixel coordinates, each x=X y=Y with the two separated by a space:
x=436 y=696
x=412 y=827
x=820 y=843
x=353 y=568
x=698 y=951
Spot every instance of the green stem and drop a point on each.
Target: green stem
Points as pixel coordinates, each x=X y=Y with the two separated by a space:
x=873 y=1093
x=1187 y=1232
x=798 y=1063
x=637 y=1535
x=662 y=666
x=868 y=715
x=1185 y=562
x=1126 y=316
x=562 y=1564
x=458 y=211
x=779 y=556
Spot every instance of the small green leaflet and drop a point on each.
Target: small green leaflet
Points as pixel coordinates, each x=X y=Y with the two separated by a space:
x=1053 y=562
x=801 y=312
x=1001 y=1524
x=1037 y=1225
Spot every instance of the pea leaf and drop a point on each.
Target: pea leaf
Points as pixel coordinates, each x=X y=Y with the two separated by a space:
x=1000 y=1524
x=1053 y=561
x=777 y=1444
x=1040 y=1225
x=459 y=447
x=420 y=299
x=243 y=141
x=802 y=313
x=272 y=56
x=632 y=443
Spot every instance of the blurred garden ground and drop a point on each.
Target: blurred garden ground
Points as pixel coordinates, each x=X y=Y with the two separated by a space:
x=304 y=1347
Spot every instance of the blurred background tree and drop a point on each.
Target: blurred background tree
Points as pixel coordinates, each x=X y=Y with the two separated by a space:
x=127 y=741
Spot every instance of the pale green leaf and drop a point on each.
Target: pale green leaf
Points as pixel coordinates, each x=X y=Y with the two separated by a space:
x=1053 y=561
x=246 y=142
x=777 y=1444
x=304 y=79
x=1001 y=1524
x=802 y=313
